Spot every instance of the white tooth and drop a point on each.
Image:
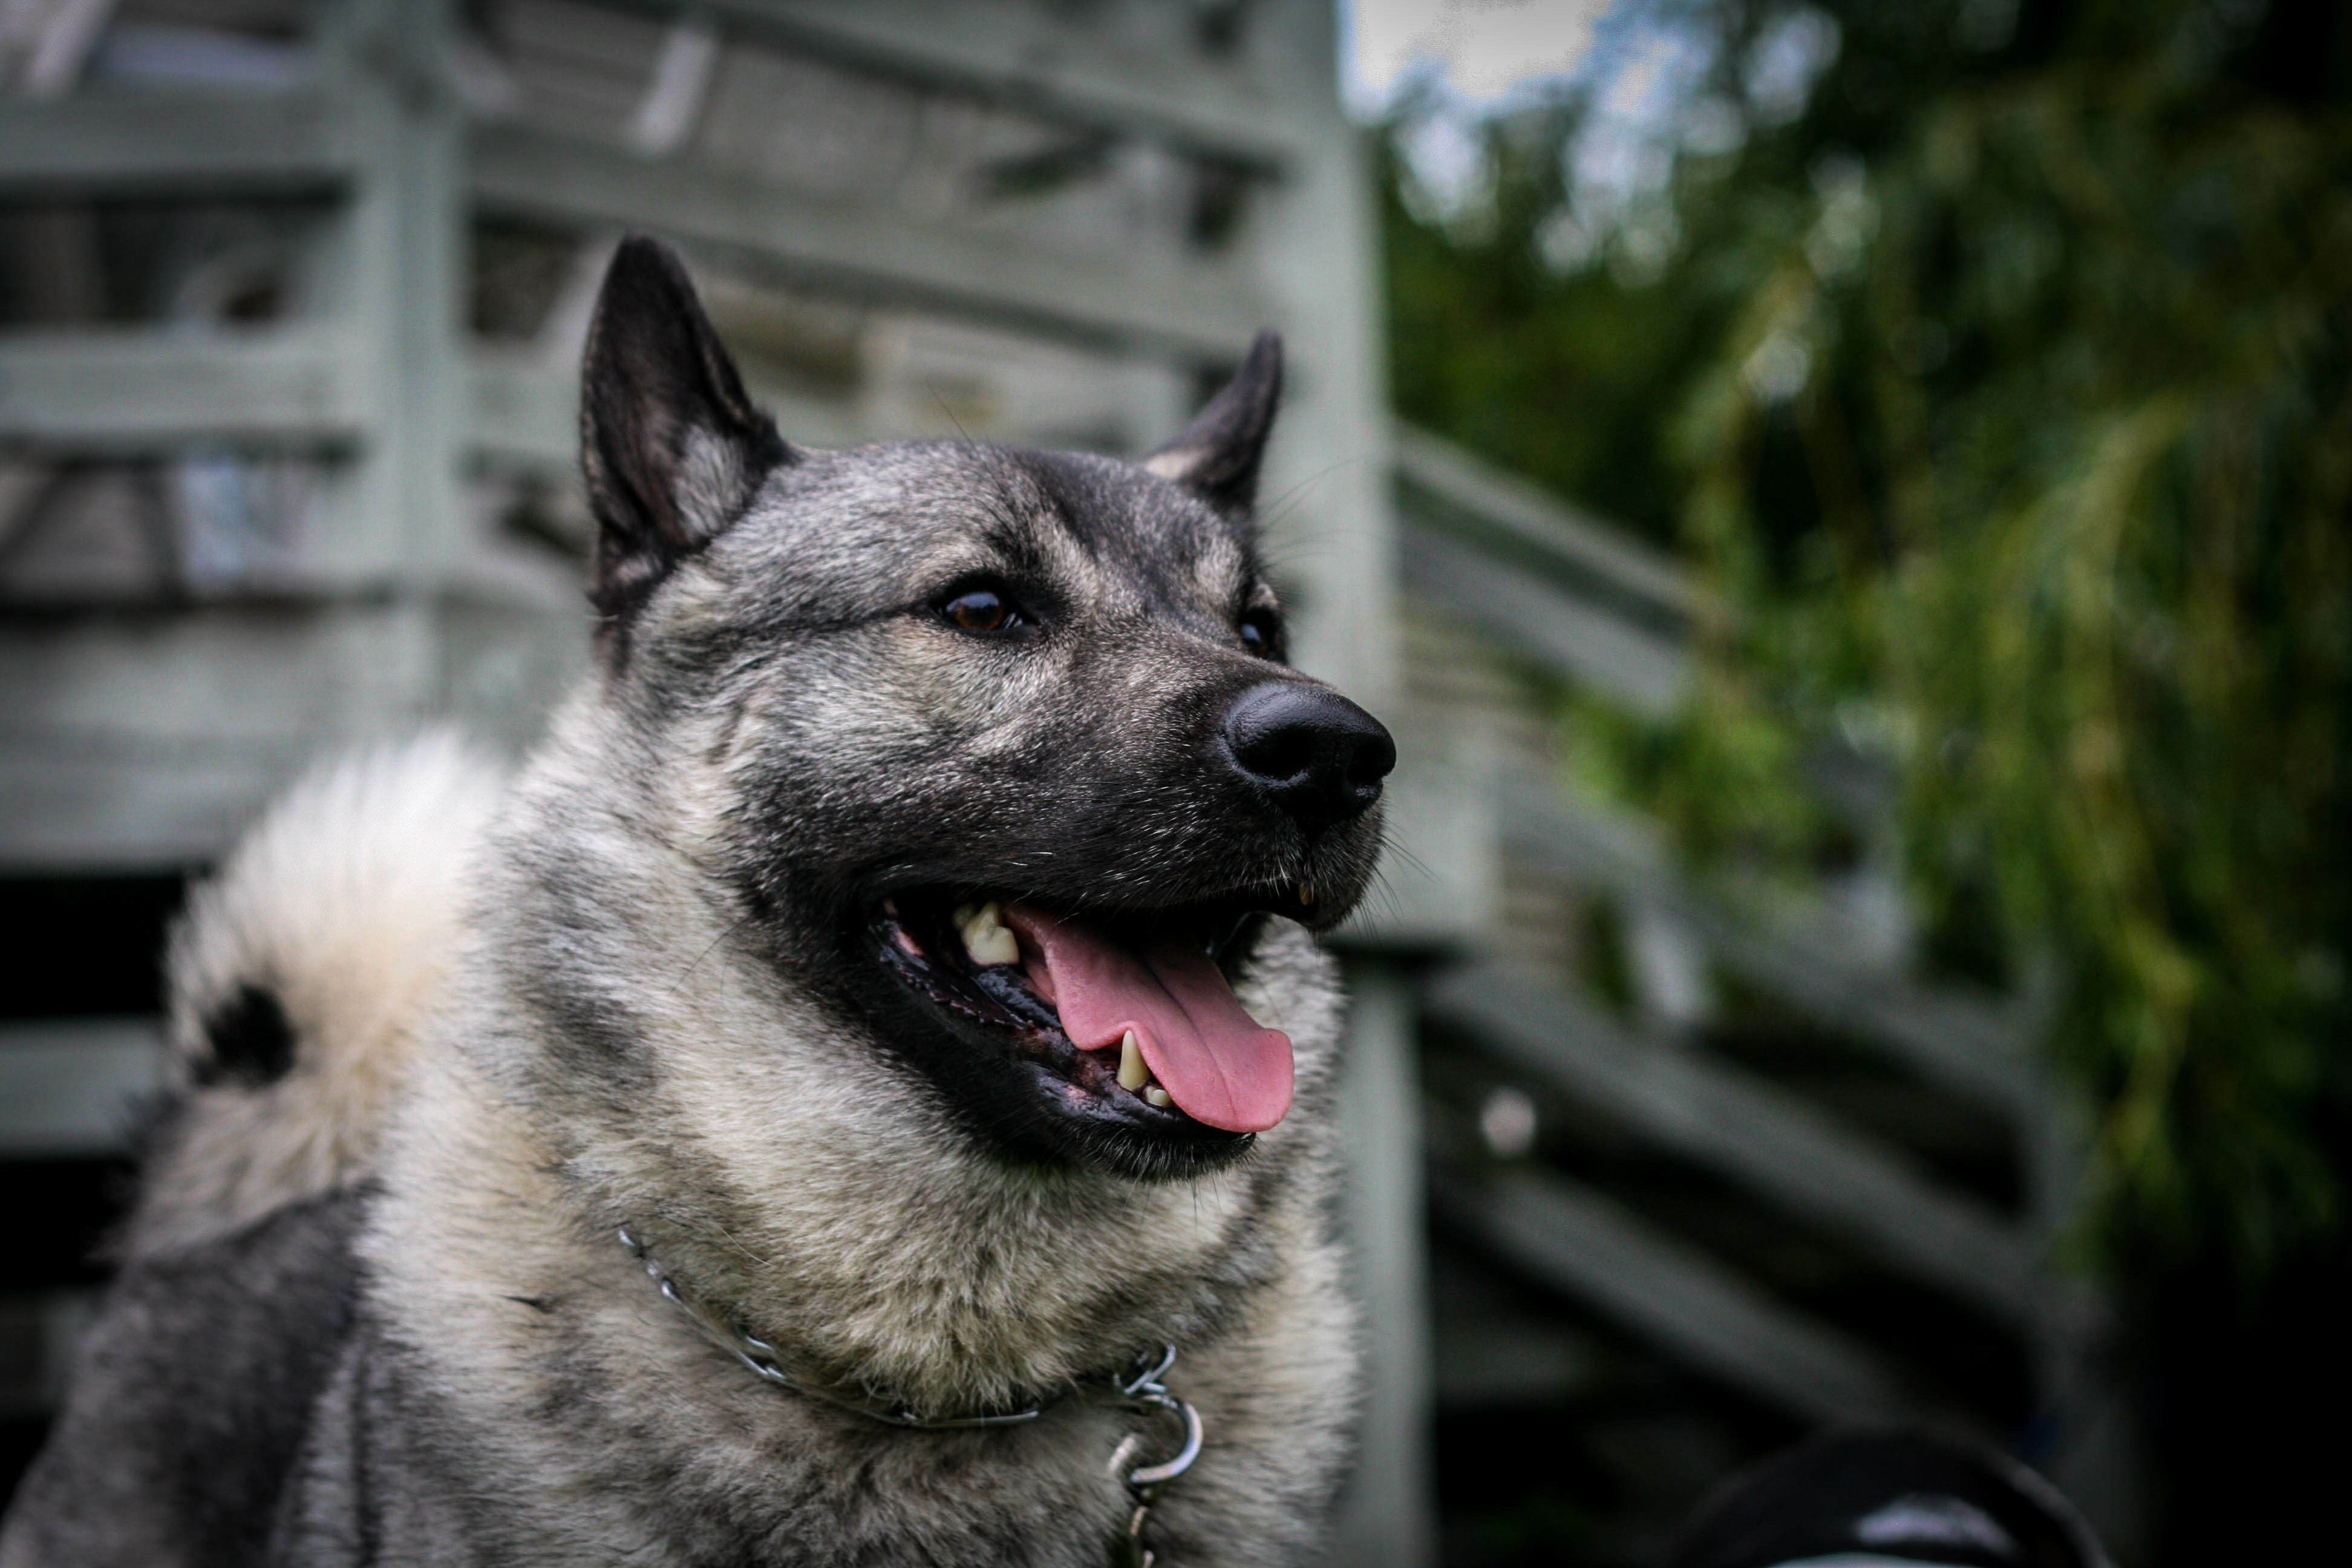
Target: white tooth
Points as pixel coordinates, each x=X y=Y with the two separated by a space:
x=1158 y=1096
x=987 y=939
x=1132 y=1073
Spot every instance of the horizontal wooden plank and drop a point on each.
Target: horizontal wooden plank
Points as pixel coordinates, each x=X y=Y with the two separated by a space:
x=1710 y=1318
x=1060 y=66
x=164 y=808
x=525 y=414
x=1197 y=307
x=121 y=389
x=73 y=1089
x=135 y=739
x=151 y=738
x=124 y=143
x=1584 y=642
x=1969 y=1045
x=1768 y=1141
x=1546 y=524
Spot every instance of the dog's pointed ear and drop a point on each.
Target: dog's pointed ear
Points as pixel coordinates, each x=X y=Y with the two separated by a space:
x=671 y=446
x=1218 y=455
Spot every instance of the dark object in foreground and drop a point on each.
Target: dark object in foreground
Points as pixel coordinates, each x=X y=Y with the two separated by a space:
x=1860 y=1499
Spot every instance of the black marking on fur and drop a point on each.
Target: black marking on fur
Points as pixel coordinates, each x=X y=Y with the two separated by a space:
x=249 y=1038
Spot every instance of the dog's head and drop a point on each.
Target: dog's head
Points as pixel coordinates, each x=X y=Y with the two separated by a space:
x=998 y=749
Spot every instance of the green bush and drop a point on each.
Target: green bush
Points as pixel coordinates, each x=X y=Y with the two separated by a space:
x=2003 y=396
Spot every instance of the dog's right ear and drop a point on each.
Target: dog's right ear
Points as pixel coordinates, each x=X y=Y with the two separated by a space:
x=671 y=447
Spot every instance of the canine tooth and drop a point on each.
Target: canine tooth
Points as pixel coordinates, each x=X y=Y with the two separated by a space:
x=1158 y=1096
x=1132 y=1073
x=987 y=939
x=1306 y=892
x=962 y=915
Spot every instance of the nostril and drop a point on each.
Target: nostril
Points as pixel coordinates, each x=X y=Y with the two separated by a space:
x=1283 y=751
x=1374 y=759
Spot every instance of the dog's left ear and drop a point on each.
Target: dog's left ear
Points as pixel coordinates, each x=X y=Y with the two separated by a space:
x=1218 y=455
x=671 y=446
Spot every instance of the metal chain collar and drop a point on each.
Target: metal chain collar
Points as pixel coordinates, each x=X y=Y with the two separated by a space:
x=1144 y=1482
x=1143 y=1391
x=760 y=1357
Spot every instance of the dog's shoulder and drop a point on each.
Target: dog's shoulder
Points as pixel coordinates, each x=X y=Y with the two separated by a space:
x=191 y=1396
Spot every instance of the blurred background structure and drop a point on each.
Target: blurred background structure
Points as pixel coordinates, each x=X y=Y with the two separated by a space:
x=1843 y=505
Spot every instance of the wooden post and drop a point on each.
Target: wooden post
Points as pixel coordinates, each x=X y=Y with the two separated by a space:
x=1387 y=1516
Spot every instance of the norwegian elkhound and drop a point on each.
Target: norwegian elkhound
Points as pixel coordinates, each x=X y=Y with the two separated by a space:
x=799 y=1118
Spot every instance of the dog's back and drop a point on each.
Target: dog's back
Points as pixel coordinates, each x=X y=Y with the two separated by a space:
x=297 y=980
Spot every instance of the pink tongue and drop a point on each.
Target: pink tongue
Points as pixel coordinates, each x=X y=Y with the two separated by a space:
x=1198 y=1040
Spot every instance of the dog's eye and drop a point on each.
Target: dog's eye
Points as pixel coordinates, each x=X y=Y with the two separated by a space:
x=1261 y=633
x=982 y=611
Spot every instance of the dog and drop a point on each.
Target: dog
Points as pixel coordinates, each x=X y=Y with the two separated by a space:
x=859 y=1093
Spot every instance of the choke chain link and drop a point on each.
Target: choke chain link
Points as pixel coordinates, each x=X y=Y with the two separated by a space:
x=1146 y=1392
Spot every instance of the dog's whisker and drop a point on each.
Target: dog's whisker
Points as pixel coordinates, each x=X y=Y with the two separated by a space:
x=724 y=936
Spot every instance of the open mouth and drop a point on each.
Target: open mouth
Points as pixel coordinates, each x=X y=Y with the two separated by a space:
x=1127 y=1020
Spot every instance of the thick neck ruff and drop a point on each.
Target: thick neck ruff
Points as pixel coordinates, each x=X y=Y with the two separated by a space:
x=1140 y=1388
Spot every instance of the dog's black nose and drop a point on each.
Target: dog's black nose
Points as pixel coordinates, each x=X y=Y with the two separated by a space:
x=1321 y=756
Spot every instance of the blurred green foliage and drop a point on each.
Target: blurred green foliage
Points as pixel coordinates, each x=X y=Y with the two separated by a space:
x=2000 y=387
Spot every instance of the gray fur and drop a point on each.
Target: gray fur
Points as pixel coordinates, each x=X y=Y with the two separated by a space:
x=664 y=1020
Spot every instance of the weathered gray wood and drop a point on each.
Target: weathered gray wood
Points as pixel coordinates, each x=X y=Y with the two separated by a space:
x=1530 y=515
x=110 y=390
x=1765 y=1139
x=1193 y=306
x=1081 y=65
x=72 y=1089
x=525 y=415
x=81 y=811
x=1444 y=892
x=1962 y=1042
x=127 y=144
x=1314 y=239
x=1385 y=1517
x=1326 y=494
x=148 y=738
x=404 y=292
x=1616 y=656
x=1704 y=1314
x=1969 y=1046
